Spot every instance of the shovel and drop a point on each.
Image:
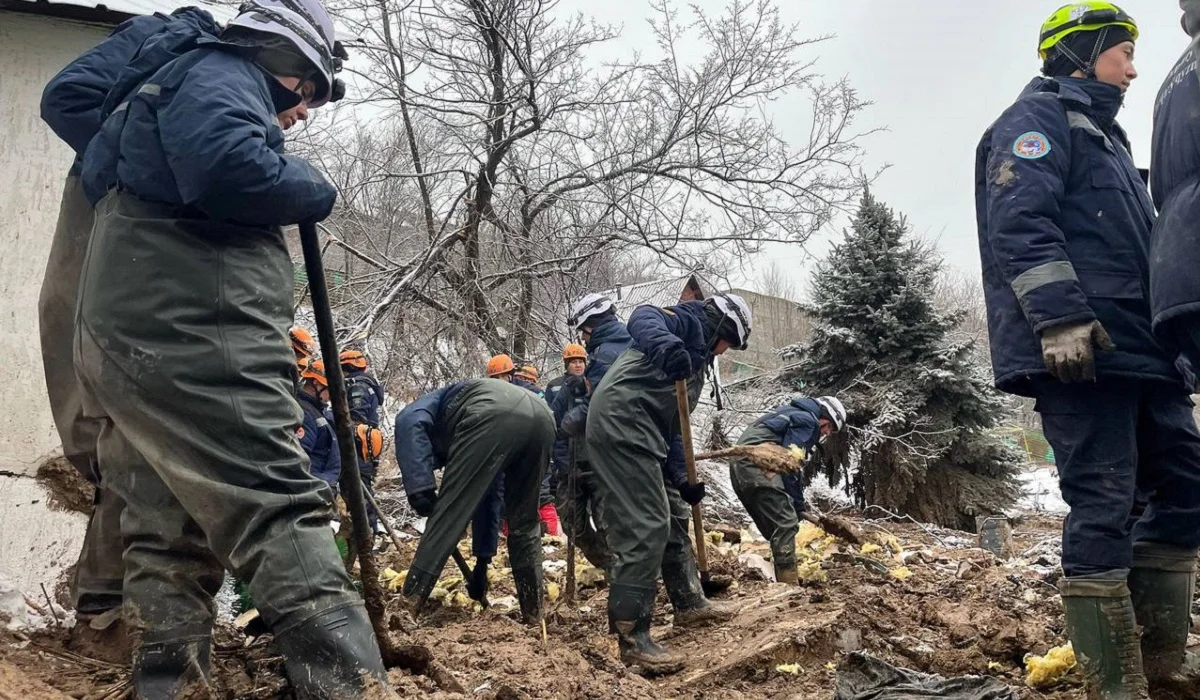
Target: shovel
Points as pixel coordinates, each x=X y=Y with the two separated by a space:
x=712 y=585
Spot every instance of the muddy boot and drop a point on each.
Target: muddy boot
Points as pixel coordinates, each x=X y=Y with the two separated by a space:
x=105 y=637
x=1162 y=584
x=418 y=585
x=334 y=655
x=528 y=581
x=175 y=669
x=629 y=611
x=1101 y=626
x=787 y=574
x=692 y=608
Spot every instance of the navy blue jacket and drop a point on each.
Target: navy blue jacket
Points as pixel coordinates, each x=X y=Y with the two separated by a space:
x=656 y=332
x=1064 y=232
x=319 y=442
x=422 y=445
x=175 y=38
x=72 y=100
x=794 y=423
x=364 y=395
x=1175 y=183
x=202 y=133
x=607 y=341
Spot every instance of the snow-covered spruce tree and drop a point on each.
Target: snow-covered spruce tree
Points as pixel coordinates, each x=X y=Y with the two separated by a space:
x=922 y=412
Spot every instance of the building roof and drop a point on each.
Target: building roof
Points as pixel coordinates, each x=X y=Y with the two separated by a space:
x=114 y=11
x=666 y=292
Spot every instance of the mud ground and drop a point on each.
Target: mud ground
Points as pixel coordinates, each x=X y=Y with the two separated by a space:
x=960 y=610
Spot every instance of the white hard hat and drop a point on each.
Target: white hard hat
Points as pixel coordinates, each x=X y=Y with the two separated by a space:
x=832 y=408
x=734 y=307
x=590 y=305
x=303 y=23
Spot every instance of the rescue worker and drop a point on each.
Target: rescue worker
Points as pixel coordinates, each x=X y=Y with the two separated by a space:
x=774 y=500
x=529 y=374
x=182 y=340
x=317 y=436
x=365 y=397
x=475 y=431
x=501 y=367
x=303 y=343
x=574 y=361
x=1161 y=581
x=632 y=420
x=1064 y=230
x=72 y=105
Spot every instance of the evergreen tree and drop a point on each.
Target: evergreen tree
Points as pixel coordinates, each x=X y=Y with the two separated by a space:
x=922 y=413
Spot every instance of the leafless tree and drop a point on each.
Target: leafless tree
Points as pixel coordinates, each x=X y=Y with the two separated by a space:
x=495 y=168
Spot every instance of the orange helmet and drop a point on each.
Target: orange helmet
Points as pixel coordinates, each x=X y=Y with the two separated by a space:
x=314 y=370
x=529 y=373
x=500 y=365
x=353 y=358
x=574 y=351
x=370 y=441
x=302 y=342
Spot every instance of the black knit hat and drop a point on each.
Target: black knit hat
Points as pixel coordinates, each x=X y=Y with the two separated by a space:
x=1079 y=51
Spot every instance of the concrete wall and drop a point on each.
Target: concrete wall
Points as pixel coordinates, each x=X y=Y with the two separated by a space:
x=777 y=323
x=36 y=542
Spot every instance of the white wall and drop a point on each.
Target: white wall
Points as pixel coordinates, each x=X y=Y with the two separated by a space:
x=34 y=542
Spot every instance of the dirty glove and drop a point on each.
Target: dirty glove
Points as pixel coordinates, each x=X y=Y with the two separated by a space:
x=1068 y=353
x=575 y=385
x=477 y=585
x=692 y=493
x=676 y=363
x=423 y=502
x=574 y=423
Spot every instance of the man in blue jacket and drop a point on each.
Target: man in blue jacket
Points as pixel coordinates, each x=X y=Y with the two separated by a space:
x=182 y=340
x=1163 y=575
x=364 y=395
x=632 y=420
x=317 y=437
x=475 y=431
x=774 y=500
x=1064 y=231
x=72 y=105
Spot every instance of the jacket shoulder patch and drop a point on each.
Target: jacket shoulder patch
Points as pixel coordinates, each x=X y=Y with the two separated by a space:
x=1031 y=145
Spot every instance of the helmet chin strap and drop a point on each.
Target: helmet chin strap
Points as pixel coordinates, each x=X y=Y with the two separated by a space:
x=1089 y=68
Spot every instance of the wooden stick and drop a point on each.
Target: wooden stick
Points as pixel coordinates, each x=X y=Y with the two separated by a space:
x=50 y=604
x=689 y=456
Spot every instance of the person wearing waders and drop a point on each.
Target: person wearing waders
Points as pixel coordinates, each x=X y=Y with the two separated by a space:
x=364 y=395
x=774 y=500
x=73 y=105
x=475 y=431
x=1064 y=233
x=1162 y=578
x=182 y=341
x=633 y=418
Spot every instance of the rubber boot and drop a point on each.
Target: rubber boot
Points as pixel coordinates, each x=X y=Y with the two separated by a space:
x=1162 y=584
x=1103 y=632
x=180 y=668
x=629 y=611
x=334 y=655
x=418 y=585
x=692 y=608
x=786 y=573
x=528 y=580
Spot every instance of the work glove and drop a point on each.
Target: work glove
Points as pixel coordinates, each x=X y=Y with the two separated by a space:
x=577 y=386
x=477 y=585
x=676 y=363
x=549 y=517
x=1068 y=350
x=423 y=502
x=692 y=493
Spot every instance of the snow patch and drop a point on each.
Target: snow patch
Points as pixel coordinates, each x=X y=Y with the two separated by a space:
x=1040 y=492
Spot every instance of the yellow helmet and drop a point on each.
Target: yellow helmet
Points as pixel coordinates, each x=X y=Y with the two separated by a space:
x=1081 y=17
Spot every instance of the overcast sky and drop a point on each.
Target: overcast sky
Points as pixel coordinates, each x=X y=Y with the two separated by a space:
x=939 y=72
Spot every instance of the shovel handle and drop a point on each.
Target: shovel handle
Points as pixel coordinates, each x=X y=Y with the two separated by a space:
x=689 y=458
